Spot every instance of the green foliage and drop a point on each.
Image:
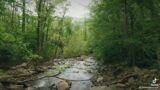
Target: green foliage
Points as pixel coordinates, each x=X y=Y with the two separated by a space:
x=12 y=49
x=49 y=51
x=35 y=59
x=37 y=38
x=119 y=31
x=27 y=37
x=76 y=45
x=126 y=35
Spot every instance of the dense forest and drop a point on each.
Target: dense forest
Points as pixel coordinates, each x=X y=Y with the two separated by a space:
x=124 y=32
x=40 y=35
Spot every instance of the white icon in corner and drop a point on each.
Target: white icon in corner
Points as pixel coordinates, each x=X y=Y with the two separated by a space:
x=155 y=81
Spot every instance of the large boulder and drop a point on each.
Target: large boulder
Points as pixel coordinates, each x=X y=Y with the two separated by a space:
x=63 y=85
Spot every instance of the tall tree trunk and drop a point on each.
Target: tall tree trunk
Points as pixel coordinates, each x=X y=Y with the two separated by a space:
x=38 y=29
x=128 y=31
x=43 y=27
x=126 y=28
x=12 y=16
x=47 y=31
x=85 y=30
x=24 y=15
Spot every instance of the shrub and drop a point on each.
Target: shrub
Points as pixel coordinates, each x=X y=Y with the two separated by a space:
x=12 y=50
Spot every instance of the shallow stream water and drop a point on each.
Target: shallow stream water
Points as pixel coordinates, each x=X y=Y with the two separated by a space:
x=79 y=74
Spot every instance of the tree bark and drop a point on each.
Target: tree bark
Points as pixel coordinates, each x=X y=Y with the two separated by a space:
x=23 y=15
x=12 y=16
x=38 y=29
x=126 y=17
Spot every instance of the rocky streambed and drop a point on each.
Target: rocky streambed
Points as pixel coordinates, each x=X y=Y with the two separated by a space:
x=79 y=74
x=84 y=73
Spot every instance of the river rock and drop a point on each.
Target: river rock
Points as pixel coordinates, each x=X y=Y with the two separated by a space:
x=53 y=87
x=75 y=71
x=131 y=80
x=100 y=88
x=29 y=88
x=120 y=85
x=63 y=85
x=90 y=71
x=50 y=67
x=23 y=65
x=44 y=68
x=100 y=79
x=80 y=58
x=15 y=87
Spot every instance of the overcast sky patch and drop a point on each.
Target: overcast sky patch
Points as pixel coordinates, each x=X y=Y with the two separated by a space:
x=78 y=8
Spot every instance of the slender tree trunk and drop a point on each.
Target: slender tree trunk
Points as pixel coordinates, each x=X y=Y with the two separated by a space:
x=126 y=17
x=43 y=27
x=85 y=30
x=38 y=34
x=46 y=35
x=128 y=31
x=24 y=16
x=61 y=30
x=12 y=16
x=38 y=29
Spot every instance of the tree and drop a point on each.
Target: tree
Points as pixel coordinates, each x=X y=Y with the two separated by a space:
x=60 y=29
x=24 y=15
x=123 y=31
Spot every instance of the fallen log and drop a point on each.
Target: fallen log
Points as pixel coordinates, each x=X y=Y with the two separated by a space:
x=125 y=79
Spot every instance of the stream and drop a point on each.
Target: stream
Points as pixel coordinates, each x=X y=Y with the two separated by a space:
x=79 y=74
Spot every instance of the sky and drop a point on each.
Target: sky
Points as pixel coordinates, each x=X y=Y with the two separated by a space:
x=78 y=8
